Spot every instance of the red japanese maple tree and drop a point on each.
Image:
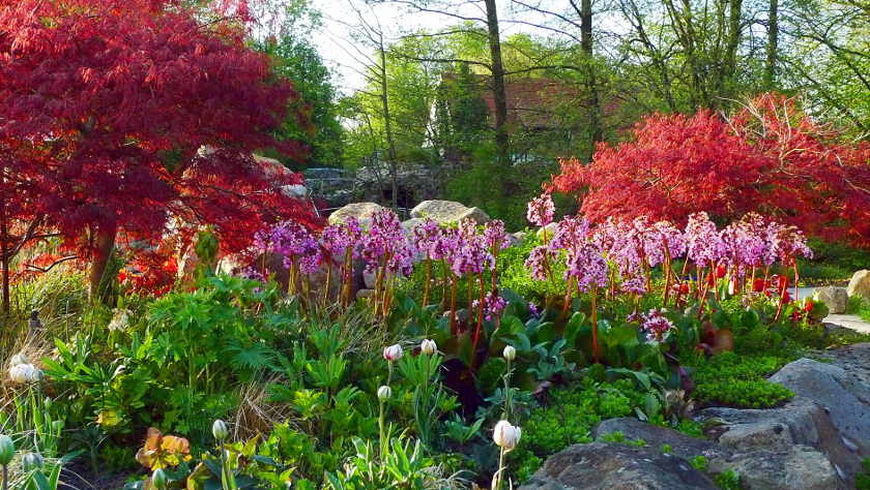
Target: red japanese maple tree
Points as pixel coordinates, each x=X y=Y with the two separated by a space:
x=105 y=104
x=769 y=157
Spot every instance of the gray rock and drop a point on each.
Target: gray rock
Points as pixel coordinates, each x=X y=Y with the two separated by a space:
x=477 y=215
x=616 y=466
x=755 y=434
x=409 y=224
x=859 y=285
x=359 y=210
x=448 y=212
x=843 y=395
x=834 y=298
x=655 y=437
x=795 y=467
x=854 y=359
x=518 y=237
x=550 y=230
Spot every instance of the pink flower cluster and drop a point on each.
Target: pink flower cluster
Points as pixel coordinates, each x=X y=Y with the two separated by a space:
x=384 y=243
x=633 y=247
x=656 y=326
x=584 y=262
x=293 y=242
x=541 y=210
x=493 y=305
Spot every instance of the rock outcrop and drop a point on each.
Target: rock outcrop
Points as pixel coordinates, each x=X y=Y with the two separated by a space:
x=359 y=210
x=616 y=466
x=448 y=212
x=834 y=298
x=859 y=285
x=816 y=441
x=844 y=397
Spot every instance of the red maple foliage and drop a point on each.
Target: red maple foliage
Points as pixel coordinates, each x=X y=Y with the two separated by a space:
x=770 y=157
x=105 y=104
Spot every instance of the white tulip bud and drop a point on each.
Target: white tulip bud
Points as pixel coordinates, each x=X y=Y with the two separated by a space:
x=384 y=393
x=393 y=352
x=219 y=430
x=35 y=375
x=7 y=450
x=506 y=436
x=428 y=347
x=24 y=373
x=509 y=353
x=17 y=359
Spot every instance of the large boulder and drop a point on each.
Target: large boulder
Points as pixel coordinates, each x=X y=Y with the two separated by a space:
x=657 y=437
x=781 y=437
x=445 y=212
x=843 y=395
x=859 y=285
x=834 y=298
x=362 y=211
x=795 y=467
x=601 y=465
x=854 y=359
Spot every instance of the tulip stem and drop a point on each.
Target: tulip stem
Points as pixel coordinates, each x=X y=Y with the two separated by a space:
x=507 y=390
x=499 y=474
x=5 y=477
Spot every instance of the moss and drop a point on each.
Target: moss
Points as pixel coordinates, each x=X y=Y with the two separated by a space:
x=569 y=417
x=738 y=381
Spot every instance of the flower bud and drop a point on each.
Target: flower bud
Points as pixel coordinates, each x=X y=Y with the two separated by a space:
x=506 y=436
x=509 y=353
x=393 y=352
x=7 y=450
x=384 y=393
x=219 y=430
x=17 y=359
x=23 y=373
x=31 y=461
x=158 y=479
x=428 y=347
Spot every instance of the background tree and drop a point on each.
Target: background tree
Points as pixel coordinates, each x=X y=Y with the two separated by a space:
x=109 y=102
x=319 y=129
x=769 y=157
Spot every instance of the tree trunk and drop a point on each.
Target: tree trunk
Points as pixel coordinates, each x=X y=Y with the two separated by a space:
x=388 y=127
x=772 y=45
x=104 y=242
x=4 y=257
x=498 y=87
x=593 y=102
x=734 y=30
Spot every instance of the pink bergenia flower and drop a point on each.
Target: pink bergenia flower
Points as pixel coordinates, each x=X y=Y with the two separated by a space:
x=541 y=210
x=538 y=261
x=656 y=326
x=495 y=235
x=337 y=239
x=471 y=253
x=587 y=266
x=704 y=246
x=493 y=305
x=386 y=245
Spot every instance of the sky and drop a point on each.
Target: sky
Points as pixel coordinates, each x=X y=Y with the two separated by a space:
x=334 y=41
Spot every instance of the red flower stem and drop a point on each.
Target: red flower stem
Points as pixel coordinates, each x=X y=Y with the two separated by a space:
x=427 y=284
x=594 y=326
x=453 y=328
